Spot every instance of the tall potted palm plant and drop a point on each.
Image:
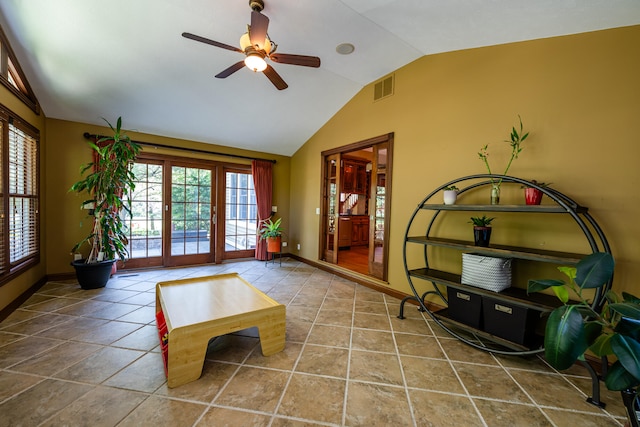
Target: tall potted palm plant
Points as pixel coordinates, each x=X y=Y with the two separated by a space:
x=105 y=181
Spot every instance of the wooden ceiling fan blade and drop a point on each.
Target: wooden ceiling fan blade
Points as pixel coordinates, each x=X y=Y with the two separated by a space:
x=226 y=73
x=258 y=32
x=275 y=78
x=211 y=42
x=305 y=61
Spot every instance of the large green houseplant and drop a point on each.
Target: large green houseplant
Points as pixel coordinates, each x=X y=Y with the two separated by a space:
x=105 y=181
x=576 y=326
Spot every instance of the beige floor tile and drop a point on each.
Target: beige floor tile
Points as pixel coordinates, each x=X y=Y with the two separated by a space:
x=375 y=367
x=458 y=351
x=215 y=376
x=298 y=330
x=335 y=317
x=335 y=336
x=253 y=388
x=544 y=389
x=489 y=381
x=73 y=327
x=314 y=398
x=284 y=360
x=49 y=362
x=409 y=325
x=100 y=365
x=108 y=333
x=144 y=338
x=443 y=410
x=162 y=412
x=371 y=307
x=145 y=374
x=342 y=304
x=38 y=403
x=570 y=418
x=37 y=324
x=377 y=405
x=231 y=348
x=322 y=360
x=371 y=321
x=505 y=414
x=23 y=349
x=418 y=345
x=373 y=340
x=430 y=374
x=225 y=417
x=13 y=383
x=100 y=407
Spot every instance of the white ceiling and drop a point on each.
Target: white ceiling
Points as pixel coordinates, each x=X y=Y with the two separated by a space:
x=88 y=59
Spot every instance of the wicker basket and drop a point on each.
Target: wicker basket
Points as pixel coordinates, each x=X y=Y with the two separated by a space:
x=490 y=273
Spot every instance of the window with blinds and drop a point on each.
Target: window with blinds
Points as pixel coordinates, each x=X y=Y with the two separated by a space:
x=19 y=195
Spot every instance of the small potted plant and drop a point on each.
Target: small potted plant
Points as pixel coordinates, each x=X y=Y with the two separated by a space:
x=105 y=181
x=515 y=141
x=272 y=232
x=450 y=194
x=532 y=195
x=576 y=327
x=481 y=230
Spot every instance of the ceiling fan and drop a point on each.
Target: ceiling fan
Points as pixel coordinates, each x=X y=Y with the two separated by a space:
x=256 y=45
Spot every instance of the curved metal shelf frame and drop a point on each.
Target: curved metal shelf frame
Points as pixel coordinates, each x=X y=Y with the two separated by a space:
x=592 y=232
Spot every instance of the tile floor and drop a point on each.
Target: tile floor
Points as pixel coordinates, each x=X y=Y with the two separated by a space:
x=91 y=358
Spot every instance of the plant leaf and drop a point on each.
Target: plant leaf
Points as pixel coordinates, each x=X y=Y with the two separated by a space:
x=562 y=293
x=627 y=309
x=570 y=272
x=627 y=350
x=619 y=378
x=602 y=346
x=630 y=298
x=594 y=270
x=536 y=285
x=565 y=338
x=629 y=327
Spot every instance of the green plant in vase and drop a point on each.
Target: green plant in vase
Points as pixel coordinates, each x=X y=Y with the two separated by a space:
x=515 y=140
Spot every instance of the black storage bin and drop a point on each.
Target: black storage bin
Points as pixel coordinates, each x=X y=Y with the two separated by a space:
x=509 y=321
x=465 y=307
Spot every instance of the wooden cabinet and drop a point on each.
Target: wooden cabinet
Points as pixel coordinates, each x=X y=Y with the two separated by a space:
x=345 y=228
x=360 y=230
x=354 y=177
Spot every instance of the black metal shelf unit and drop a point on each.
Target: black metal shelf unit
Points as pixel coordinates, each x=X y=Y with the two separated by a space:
x=515 y=296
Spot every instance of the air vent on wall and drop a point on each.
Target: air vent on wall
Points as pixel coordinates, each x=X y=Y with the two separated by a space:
x=383 y=88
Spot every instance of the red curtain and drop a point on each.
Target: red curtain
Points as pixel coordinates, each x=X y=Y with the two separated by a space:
x=262 y=182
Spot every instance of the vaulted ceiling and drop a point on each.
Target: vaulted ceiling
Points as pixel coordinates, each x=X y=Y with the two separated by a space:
x=88 y=59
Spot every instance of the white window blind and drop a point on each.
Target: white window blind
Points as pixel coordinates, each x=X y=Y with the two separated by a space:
x=23 y=197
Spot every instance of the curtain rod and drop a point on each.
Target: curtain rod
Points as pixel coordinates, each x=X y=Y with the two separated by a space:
x=238 y=156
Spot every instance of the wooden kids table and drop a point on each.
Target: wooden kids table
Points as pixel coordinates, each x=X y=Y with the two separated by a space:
x=198 y=309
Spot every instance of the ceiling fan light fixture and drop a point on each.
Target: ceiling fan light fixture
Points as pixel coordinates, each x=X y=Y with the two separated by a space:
x=255 y=62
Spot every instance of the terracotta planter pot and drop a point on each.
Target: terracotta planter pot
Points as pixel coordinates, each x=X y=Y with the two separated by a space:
x=532 y=196
x=273 y=244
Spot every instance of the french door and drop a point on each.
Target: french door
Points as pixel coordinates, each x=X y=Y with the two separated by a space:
x=191 y=215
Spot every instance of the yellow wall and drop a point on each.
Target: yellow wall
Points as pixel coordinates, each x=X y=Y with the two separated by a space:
x=68 y=150
x=13 y=289
x=578 y=95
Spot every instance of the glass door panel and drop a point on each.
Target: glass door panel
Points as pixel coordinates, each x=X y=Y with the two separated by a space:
x=241 y=215
x=144 y=223
x=379 y=217
x=191 y=215
x=330 y=206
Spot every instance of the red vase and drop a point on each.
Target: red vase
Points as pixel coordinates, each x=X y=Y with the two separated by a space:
x=532 y=196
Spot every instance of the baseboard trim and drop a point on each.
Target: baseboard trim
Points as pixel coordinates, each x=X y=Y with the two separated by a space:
x=13 y=305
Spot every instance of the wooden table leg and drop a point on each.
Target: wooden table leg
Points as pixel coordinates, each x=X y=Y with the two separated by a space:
x=272 y=331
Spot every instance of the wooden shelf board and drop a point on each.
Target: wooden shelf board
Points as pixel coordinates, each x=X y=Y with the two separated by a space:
x=502 y=250
x=514 y=295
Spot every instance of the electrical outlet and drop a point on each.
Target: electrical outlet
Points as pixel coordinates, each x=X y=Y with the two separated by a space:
x=298 y=246
x=284 y=244
x=274 y=209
